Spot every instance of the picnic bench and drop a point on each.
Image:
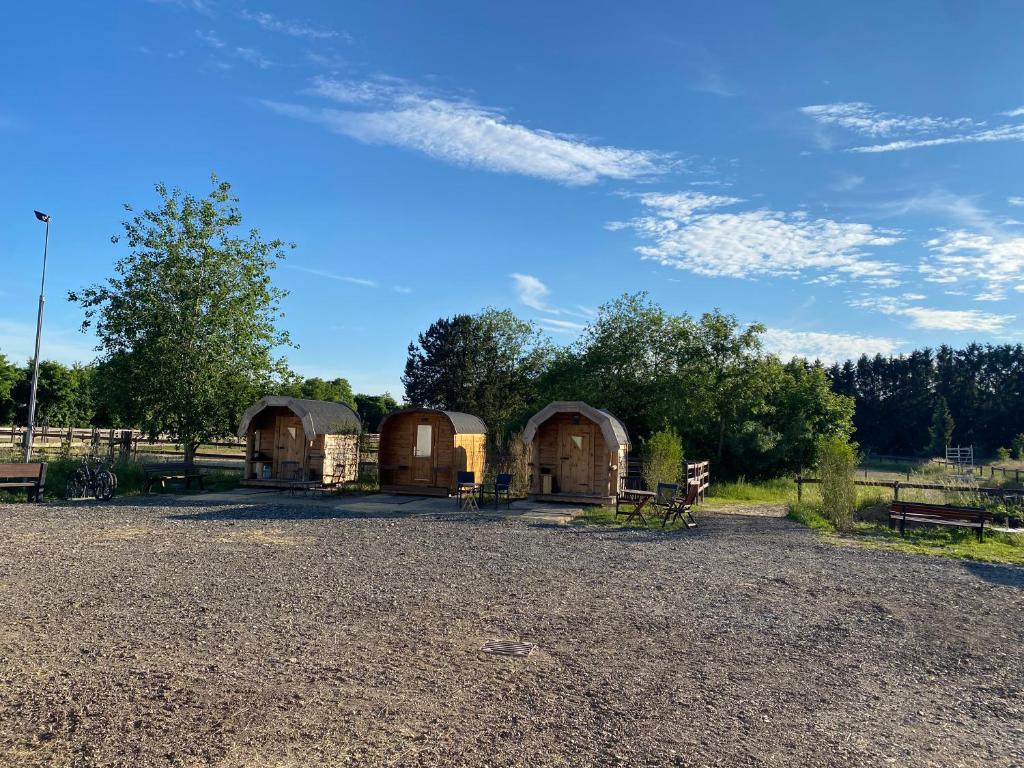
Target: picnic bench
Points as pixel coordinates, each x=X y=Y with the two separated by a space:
x=29 y=476
x=164 y=471
x=905 y=512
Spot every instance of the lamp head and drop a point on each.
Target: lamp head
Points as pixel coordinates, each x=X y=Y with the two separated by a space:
x=45 y=217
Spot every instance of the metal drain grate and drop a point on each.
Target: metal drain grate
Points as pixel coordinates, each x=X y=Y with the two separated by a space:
x=508 y=648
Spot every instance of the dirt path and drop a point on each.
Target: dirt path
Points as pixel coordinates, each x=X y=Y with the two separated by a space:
x=276 y=635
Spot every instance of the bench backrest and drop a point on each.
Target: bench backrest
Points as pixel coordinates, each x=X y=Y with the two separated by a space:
x=22 y=471
x=168 y=466
x=940 y=511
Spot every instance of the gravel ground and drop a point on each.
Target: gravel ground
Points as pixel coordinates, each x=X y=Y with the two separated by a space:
x=161 y=633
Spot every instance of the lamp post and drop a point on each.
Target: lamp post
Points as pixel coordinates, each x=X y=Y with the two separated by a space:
x=45 y=218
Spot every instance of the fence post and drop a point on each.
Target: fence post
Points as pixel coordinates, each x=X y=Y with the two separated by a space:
x=895 y=490
x=799 y=488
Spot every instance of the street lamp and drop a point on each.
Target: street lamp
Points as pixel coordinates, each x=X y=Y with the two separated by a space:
x=39 y=335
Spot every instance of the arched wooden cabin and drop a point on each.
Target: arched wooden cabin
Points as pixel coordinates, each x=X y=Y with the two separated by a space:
x=576 y=453
x=422 y=450
x=288 y=439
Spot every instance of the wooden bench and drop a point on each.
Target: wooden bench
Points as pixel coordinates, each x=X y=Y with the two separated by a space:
x=164 y=471
x=938 y=514
x=30 y=476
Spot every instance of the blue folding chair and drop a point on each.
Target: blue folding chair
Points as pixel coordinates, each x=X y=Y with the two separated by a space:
x=503 y=485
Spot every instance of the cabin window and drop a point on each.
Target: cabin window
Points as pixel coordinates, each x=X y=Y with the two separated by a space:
x=424 y=439
x=577 y=440
x=291 y=432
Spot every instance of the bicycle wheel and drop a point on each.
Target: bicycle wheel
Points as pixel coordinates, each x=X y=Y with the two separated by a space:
x=104 y=486
x=74 y=488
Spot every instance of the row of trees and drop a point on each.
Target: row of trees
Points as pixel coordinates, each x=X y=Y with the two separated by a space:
x=706 y=379
x=76 y=395
x=917 y=403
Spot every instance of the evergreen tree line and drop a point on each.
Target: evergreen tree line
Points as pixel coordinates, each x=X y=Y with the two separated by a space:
x=916 y=404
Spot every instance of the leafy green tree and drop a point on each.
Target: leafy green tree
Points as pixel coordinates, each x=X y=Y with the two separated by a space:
x=373 y=408
x=940 y=434
x=662 y=458
x=334 y=390
x=487 y=364
x=187 y=326
x=64 y=394
x=9 y=375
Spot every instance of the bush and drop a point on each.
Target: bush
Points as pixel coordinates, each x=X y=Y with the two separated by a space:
x=1018 y=447
x=1003 y=454
x=663 y=458
x=837 y=462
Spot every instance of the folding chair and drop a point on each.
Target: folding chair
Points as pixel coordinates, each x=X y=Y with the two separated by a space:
x=465 y=484
x=682 y=507
x=503 y=485
x=663 y=496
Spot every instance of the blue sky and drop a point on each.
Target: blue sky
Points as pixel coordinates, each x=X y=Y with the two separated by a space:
x=852 y=175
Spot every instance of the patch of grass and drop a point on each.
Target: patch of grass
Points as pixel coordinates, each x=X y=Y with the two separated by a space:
x=942 y=542
x=606 y=517
x=809 y=515
x=778 y=490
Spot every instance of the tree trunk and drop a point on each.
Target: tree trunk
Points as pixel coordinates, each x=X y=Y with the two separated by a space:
x=190 y=453
x=721 y=439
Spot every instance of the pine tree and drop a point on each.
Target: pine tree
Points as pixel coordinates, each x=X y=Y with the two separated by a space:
x=941 y=430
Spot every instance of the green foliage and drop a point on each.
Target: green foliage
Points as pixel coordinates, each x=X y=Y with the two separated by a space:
x=188 y=325
x=1002 y=454
x=1018 y=447
x=836 y=464
x=896 y=396
x=940 y=433
x=775 y=490
x=487 y=364
x=336 y=390
x=373 y=408
x=8 y=377
x=662 y=458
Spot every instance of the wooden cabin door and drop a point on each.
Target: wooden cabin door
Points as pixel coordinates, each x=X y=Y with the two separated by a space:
x=423 y=450
x=290 y=439
x=576 y=458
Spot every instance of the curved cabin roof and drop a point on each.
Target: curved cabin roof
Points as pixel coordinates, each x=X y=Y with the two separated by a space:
x=462 y=423
x=319 y=417
x=614 y=431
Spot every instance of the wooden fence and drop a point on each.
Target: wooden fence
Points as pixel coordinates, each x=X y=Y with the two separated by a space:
x=897 y=485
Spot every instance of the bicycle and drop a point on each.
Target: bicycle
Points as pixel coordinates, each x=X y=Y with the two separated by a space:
x=93 y=478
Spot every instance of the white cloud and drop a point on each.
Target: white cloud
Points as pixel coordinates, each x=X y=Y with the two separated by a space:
x=560 y=326
x=994 y=260
x=272 y=23
x=913 y=131
x=1018 y=201
x=248 y=55
x=933 y=319
x=210 y=38
x=863 y=118
x=827 y=347
x=1018 y=112
x=687 y=234
x=532 y=292
x=332 y=276
x=467 y=134
x=401 y=289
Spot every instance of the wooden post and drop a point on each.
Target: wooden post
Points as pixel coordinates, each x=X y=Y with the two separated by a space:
x=799 y=488
x=895 y=490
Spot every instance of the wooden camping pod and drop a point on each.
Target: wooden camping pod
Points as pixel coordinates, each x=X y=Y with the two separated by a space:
x=422 y=450
x=288 y=439
x=576 y=453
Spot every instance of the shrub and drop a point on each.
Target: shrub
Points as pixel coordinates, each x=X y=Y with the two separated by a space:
x=1018 y=447
x=663 y=458
x=1003 y=454
x=837 y=462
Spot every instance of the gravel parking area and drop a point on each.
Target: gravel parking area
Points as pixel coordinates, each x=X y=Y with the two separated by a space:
x=177 y=633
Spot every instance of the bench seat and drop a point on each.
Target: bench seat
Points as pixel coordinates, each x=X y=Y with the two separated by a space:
x=30 y=476
x=162 y=472
x=938 y=514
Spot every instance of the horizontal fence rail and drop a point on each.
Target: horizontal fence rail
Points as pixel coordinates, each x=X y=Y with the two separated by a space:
x=897 y=485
